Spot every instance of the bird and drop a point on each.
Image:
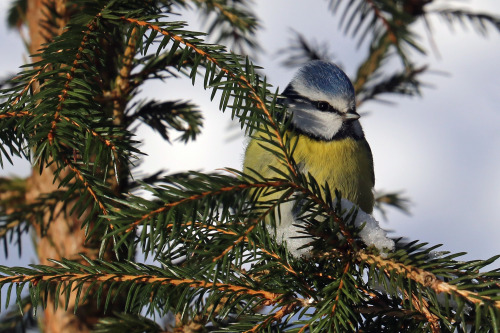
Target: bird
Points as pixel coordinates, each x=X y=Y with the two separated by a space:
x=331 y=146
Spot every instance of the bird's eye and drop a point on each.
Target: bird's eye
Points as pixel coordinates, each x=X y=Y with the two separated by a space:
x=322 y=106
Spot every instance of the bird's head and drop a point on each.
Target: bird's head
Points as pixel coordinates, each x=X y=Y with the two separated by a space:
x=322 y=104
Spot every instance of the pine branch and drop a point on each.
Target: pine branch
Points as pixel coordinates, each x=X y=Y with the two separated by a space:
x=236 y=80
x=134 y=324
x=70 y=76
x=301 y=51
x=455 y=279
x=17 y=13
x=379 y=19
x=234 y=24
x=479 y=21
x=110 y=277
x=378 y=52
x=427 y=279
x=19 y=319
x=67 y=276
x=393 y=200
x=404 y=83
x=186 y=198
x=160 y=116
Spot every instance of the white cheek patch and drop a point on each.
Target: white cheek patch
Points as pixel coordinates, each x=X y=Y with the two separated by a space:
x=321 y=124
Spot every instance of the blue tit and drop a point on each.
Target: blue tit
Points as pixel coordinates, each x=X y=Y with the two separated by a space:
x=331 y=145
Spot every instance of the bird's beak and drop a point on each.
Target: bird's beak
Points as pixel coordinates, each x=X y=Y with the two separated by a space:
x=351 y=115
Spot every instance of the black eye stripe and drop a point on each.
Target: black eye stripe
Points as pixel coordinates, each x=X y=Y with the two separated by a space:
x=324 y=106
x=293 y=97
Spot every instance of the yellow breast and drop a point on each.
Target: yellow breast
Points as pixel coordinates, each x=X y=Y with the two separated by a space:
x=346 y=165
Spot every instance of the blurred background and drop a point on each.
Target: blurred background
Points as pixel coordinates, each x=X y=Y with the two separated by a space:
x=441 y=150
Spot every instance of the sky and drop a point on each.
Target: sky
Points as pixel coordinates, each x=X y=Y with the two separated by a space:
x=441 y=149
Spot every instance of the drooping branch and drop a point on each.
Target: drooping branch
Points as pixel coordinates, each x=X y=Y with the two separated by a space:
x=426 y=279
x=241 y=80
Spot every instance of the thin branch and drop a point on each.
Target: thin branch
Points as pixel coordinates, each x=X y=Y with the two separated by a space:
x=269 y=297
x=376 y=11
x=9 y=226
x=241 y=238
x=33 y=79
x=85 y=183
x=19 y=114
x=107 y=142
x=339 y=289
x=233 y=18
x=242 y=81
x=69 y=77
x=426 y=279
x=372 y=63
x=203 y=195
x=277 y=316
x=204 y=226
x=422 y=306
x=287 y=267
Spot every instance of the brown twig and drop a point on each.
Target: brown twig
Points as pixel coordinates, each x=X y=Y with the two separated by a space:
x=339 y=289
x=269 y=297
x=80 y=177
x=70 y=76
x=426 y=279
x=200 y=196
x=234 y=19
x=385 y=22
x=276 y=317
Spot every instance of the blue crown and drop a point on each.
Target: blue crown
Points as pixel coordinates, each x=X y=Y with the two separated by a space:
x=324 y=77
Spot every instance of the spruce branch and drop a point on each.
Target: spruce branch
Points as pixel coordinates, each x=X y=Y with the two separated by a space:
x=427 y=279
x=79 y=176
x=252 y=224
x=233 y=23
x=302 y=50
x=404 y=83
x=239 y=79
x=68 y=276
x=22 y=216
x=230 y=13
x=8 y=115
x=276 y=316
x=18 y=319
x=479 y=21
x=378 y=18
x=393 y=200
x=202 y=195
x=33 y=79
x=70 y=76
x=12 y=193
x=378 y=51
x=422 y=306
x=390 y=33
x=110 y=277
x=134 y=323
x=161 y=116
x=16 y=16
x=21 y=114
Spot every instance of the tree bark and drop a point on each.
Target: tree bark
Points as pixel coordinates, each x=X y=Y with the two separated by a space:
x=64 y=237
